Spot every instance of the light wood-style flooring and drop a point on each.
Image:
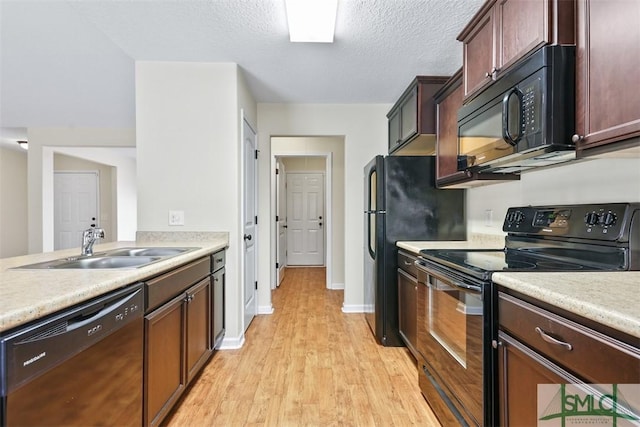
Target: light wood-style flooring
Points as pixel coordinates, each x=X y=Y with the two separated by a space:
x=308 y=363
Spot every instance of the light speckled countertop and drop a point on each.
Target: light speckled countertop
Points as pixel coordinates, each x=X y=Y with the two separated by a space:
x=476 y=241
x=27 y=295
x=609 y=298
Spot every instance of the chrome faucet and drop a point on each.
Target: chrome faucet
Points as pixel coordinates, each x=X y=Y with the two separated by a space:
x=89 y=237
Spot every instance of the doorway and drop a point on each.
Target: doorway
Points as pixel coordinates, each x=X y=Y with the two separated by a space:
x=301 y=163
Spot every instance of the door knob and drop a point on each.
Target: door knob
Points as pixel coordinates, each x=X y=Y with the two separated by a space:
x=247 y=237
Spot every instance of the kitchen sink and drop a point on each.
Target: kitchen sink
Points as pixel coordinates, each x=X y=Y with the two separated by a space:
x=93 y=262
x=113 y=259
x=152 y=251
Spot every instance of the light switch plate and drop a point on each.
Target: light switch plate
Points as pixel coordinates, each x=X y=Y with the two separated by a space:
x=176 y=217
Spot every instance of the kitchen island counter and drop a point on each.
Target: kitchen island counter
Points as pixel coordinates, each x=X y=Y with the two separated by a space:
x=27 y=295
x=607 y=298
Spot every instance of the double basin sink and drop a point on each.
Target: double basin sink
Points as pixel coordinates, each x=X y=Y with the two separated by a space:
x=115 y=258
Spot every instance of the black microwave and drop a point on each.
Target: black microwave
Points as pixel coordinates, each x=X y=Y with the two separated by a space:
x=525 y=119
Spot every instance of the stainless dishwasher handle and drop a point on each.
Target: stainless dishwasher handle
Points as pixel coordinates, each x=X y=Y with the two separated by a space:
x=552 y=340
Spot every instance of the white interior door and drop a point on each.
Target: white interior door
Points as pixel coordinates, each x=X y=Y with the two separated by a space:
x=305 y=219
x=250 y=223
x=75 y=205
x=281 y=221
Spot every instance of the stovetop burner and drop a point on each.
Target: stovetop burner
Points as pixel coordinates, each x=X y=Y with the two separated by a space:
x=480 y=262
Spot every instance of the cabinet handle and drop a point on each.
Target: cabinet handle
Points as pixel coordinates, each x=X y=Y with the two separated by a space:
x=496 y=343
x=487 y=74
x=552 y=340
x=407 y=263
x=218 y=259
x=576 y=138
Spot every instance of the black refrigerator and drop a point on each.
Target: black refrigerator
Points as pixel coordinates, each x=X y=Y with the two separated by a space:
x=402 y=203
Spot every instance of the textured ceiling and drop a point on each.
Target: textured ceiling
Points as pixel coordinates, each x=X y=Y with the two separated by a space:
x=71 y=63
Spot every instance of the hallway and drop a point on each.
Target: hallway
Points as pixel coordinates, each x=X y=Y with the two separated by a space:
x=307 y=364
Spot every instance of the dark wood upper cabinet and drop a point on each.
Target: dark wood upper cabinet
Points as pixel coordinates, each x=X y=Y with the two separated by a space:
x=607 y=75
x=412 y=120
x=504 y=31
x=448 y=100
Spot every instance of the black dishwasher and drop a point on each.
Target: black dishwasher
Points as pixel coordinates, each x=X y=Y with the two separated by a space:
x=81 y=366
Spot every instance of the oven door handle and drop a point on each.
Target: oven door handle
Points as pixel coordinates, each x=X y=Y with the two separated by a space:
x=455 y=284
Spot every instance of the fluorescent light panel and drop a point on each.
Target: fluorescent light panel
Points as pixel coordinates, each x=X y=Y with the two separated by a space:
x=311 y=20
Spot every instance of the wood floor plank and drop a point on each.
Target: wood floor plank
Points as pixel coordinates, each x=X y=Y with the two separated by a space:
x=308 y=364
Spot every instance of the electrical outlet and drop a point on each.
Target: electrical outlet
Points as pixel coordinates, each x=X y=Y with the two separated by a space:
x=176 y=217
x=488 y=218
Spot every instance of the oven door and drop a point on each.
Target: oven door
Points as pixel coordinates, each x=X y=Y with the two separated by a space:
x=452 y=324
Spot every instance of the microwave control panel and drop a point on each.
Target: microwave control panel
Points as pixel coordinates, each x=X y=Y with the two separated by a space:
x=531 y=105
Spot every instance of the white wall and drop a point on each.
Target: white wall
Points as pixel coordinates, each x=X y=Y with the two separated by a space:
x=13 y=203
x=43 y=142
x=189 y=156
x=364 y=128
x=587 y=181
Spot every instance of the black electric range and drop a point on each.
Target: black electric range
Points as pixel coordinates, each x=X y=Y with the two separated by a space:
x=554 y=238
x=459 y=370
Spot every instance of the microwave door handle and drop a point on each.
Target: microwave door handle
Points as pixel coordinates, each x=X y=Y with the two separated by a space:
x=506 y=132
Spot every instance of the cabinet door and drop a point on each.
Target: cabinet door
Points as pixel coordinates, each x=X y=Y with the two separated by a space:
x=607 y=101
x=409 y=115
x=198 y=334
x=408 y=309
x=394 y=131
x=164 y=378
x=522 y=26
x=447 y=147
x=520 y=370
x=217 y=314
x=479 y=54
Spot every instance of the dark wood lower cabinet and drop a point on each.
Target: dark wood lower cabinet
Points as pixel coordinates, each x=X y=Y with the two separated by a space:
x=164 y=380
x=520 y=371
x=198 y=326
x=177 y=345
x=541 y=348
x=408 y=310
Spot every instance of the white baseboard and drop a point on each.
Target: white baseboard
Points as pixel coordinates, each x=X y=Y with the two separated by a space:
x=265 y=309
x=354 y=308
x=231 y=343
x=337 y=286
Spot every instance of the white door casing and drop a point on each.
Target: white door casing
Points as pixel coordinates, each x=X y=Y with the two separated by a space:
x=250 y=226
x=76 y=206
x=305 y=218
x=281 y=221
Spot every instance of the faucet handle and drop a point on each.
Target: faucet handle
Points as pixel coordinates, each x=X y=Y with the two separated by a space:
x=98 y=233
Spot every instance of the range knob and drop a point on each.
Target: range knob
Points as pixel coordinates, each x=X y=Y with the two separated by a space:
x=609 y=219
x=519 y=217
x=591 y=218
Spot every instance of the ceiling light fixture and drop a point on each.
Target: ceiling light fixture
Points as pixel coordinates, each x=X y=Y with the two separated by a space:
x=23 y=144
x=311 y=20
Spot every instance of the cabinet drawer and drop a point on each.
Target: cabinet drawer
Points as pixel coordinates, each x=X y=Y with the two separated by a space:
x=162 y=288
x=218 y=260
x=590 y=355
x=406 y=263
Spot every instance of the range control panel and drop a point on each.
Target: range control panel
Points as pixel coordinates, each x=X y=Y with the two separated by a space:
x=590 y=221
